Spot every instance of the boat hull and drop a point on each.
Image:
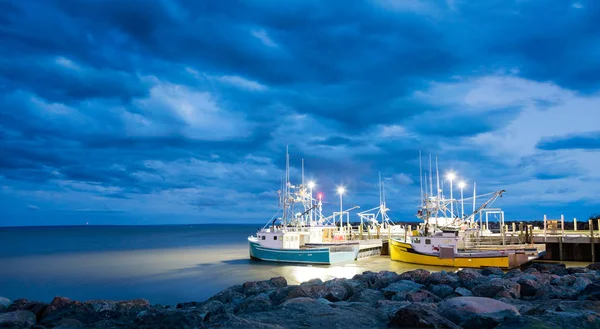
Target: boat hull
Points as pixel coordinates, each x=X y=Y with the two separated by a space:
x=404 y=252
x=324 y=256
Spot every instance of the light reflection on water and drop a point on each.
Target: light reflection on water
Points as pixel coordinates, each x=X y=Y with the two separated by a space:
x=165 y=276
x=163 y=270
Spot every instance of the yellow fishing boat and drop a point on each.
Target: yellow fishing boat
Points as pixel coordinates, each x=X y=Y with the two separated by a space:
x=444 y=250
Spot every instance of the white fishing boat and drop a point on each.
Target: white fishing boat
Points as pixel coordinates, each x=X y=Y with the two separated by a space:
x=304 y=235
x=446 y=239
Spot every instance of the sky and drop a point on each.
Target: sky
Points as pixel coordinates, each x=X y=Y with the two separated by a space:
x=178 y=112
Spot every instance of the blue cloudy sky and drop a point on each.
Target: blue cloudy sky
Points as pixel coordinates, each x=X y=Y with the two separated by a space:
x=177 y=111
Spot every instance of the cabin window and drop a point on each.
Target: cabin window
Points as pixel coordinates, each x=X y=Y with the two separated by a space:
x=427 y=241
x=275 y=237
x=417 y=240
x=446 y=241
x=263 y=237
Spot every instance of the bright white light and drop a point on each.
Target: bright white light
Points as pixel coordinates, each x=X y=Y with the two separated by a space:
x=462 y=184
x=311 y=184
x=451 y=176
x=341 y=190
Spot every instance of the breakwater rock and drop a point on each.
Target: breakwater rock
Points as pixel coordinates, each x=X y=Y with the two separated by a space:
x=539 y=296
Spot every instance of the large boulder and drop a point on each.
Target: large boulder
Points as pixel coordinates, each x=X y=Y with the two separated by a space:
x=460 y=291
x=17 y=319
x=580 y=283
x=441 y=290
x=92 y=311
x=4 y=303
x=591 y=292
x=594 y=267
x=400 y=287
x=369 y=296
x=257 y=287
x=378 y=280
x=443 y=277
x=255 y=303
x=564 y=280
x=553 y=268
x=557 y=292
x=492 y=270
x=476 y=312
x=470 y=278
x=497 y=289
x=418 y=275
x=415 y=316
x=529 y=286
x=23 y=304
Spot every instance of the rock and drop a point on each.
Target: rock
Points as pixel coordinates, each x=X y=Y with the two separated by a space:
x=557 y=292
x=580 y=283
x=312 y=282
x=369 y=296
x=418 y=276
x=514 y=273
x=594 y=267
x=492 y=270
x=414 y=316
x=399 y=287
x=553 y=268
x=574 y=270
x=476 y=312
x=470 y=278
x=92 y=311
x=377 y=280
x=37 y=308
x=257 y=287
x=525 y=322
x=417 y=296
x=310 y=291
x=529 y=287
x=231 y=297
x=4 y=303
x=340 y=289
x=390 y=307
x=497 y=289
x=443 y=277
x=565 y=280
x=17 y=319
x=164 y=318
x=460 y=291
x=68 y=324
x=441 y=290
x=255 y=303
x=591 y=292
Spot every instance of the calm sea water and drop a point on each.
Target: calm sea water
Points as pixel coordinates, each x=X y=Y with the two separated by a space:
x=164 y=264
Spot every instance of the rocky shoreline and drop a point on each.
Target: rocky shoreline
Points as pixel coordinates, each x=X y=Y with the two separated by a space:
x=539 y=296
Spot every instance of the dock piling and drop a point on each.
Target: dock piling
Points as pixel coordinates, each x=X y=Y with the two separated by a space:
x=562 y=227
x=560 y=248
x=575 y=224
x=545 y=220
x=591 y=222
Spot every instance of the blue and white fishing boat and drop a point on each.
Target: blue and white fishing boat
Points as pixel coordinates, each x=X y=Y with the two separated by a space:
x=304 y=235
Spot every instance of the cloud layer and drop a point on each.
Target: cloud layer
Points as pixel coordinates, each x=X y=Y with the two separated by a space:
x=177 y=111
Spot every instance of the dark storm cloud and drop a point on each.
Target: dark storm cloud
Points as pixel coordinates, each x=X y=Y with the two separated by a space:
x=178 y=104
x=589 y=141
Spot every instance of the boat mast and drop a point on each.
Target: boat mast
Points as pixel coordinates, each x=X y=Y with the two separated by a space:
x=421 y=177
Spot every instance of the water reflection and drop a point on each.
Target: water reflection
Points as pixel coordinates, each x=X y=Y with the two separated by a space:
x=165 y=276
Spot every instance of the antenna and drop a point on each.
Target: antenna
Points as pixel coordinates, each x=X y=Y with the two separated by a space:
x=437 y=174
x=302 y=172
x=474 y=195
x=430 y=177
x=421 y=175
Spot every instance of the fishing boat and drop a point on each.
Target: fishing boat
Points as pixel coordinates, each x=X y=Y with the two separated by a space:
x=446 y=239
x=303 y=234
